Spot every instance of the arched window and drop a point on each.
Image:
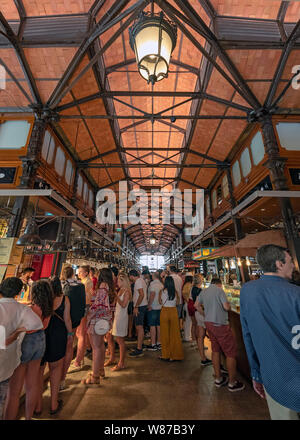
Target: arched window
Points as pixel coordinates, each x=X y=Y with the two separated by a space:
x=236 y=173
x=79 y=186
x=60 y=160
x=69 y=172
x=245 y=162
x=257 y=148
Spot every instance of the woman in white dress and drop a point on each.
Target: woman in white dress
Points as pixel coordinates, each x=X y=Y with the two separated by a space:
x=120 y=325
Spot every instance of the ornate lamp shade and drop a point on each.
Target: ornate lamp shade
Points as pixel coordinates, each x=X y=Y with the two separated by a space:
x=153 y=39
x=152 y=240
x=31 y=235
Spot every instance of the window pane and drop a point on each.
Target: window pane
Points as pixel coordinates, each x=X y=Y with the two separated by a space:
x=214 y=199
x=51 y=148
x=207 y=207
x=79 y=186
x=45 y=147
x=225 y=186
x=219 y=195
x=257 y=148
x=60 y=160
x=13 y=134
x=91 y=199
x=289 y=135
x=245 y=162
x=69 y=172
x=236 y=174
x=85 y=192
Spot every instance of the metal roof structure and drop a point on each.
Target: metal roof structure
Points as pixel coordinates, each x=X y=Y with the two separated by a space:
x=73 y=60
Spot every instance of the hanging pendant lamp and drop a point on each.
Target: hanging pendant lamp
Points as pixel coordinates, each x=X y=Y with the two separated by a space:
x=153 y=38
x=31 y=235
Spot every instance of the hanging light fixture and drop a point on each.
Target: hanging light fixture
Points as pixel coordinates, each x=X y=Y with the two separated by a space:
x=31 y=235
x=152 y=240
x=153 y=38
x=60 y=245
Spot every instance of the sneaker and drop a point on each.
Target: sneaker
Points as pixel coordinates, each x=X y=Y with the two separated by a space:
x=136 y=353
x=238 y=386
x=206 y=362
x=223 y=370
x=145 y=347
x=223 y=382
x=158 y=346
x=151 y=347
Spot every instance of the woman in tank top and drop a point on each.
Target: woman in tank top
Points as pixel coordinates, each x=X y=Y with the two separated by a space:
x=120 y=325
x=171 y=345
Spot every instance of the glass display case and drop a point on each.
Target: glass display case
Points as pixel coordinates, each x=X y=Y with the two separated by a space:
x=233 y=295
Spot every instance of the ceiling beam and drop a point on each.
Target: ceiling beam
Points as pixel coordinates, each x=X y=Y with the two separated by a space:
x=289 y=44
x=63 y=88
x=150 y=117
x=155 y=94
x=243 y=89
x=11 y=37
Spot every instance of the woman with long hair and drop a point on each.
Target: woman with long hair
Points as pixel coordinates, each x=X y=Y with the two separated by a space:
x=120 y=325
x=186 y=292
x=33 y=348
x=171 y=346
x=58 y=333
x=99 y=309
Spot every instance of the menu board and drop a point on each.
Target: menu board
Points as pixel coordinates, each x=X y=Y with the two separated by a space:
x=6 y=245
x=10 y=253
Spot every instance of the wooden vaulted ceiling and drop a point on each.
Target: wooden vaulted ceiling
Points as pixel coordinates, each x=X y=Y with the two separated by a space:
x=74 y=58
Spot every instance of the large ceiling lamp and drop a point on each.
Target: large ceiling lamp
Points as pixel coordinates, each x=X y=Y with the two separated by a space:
x=31 y=235
x=153 y=38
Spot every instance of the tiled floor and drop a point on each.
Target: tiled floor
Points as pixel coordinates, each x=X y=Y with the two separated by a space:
x=151 y=390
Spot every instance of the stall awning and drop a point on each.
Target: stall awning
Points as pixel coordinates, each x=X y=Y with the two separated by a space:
x=247 y=246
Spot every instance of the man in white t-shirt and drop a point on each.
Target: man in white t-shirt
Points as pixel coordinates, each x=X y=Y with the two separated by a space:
x=140 y=303
x=15 y=320
x=153 y=312
x=178 y=287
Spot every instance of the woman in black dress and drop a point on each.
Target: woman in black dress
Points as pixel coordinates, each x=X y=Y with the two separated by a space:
x=58 y=333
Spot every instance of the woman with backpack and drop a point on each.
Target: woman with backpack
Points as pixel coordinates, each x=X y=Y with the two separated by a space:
x=171 y=346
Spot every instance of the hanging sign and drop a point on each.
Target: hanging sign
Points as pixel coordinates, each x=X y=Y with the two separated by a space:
x=203 y=252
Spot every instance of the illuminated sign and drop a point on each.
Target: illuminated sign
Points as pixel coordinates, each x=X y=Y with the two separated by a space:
x=203 y=252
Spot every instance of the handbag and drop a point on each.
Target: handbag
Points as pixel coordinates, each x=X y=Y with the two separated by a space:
x=191 y=307
x=101 y=327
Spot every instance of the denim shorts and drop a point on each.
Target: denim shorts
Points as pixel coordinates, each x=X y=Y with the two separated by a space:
x=139 y=319
x=33 y=346
x=153 y=318
x=3 y=394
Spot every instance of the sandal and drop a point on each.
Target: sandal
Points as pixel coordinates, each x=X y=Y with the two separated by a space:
x=117 y=368
x=109 y=362
x=91 y=380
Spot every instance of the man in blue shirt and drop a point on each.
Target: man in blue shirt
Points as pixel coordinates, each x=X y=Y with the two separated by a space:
x=270 y=318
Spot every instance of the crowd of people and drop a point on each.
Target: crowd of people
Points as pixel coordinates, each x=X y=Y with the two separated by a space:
x=103 y=310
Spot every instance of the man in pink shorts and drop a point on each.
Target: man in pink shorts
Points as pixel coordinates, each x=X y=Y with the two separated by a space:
x=215 y=307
